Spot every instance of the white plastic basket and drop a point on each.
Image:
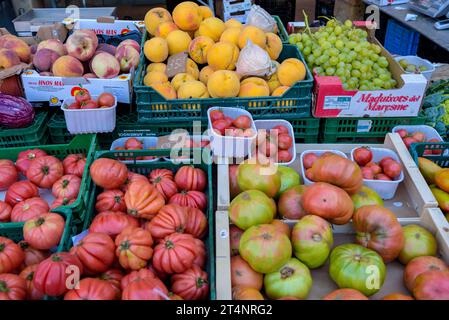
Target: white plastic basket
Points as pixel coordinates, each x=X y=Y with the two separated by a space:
x=385 y=189
x=417 y=61
x=196 y=139
x=430 y=132
x=227 y=146
x=318 y=153
x=98 y=120
x=269 y=124
x=148 y=143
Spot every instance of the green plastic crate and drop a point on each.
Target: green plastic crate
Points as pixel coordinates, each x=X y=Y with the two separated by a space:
x=418 y=149
x=306 y=129
x=294 y=103
x=145 y=168
x=364 y=130
x=14 y=230
x=86 y=144
x=282 y=32
x=35 y=134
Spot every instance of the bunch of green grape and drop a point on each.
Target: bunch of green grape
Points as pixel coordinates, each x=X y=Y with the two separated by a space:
x=340 y=49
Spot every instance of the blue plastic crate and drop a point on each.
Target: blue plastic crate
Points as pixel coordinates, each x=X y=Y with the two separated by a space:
x=400 y=39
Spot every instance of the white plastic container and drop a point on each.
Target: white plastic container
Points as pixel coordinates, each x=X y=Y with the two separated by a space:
x=98 y=120
x=197 y=139
x=430 y=132
x=227 y=146
x=318 y=153
x=269 y=124
x=148 y=143
x=417 y=61
x=385 y=189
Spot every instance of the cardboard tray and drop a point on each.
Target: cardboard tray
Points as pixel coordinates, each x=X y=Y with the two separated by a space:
x=412 y=195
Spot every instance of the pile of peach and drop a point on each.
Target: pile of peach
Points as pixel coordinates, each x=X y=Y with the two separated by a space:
x=83 y=56
x=13 y=51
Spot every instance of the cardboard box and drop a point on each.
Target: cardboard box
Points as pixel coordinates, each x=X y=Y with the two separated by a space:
x=235 y=6
x=56 y=89
x=353 y=10
x=309 y=6
x=105 y=25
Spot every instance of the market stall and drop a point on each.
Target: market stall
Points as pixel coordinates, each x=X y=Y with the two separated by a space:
x=188 y=157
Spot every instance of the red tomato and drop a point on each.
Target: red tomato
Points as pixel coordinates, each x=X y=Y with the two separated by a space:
x=267 y=148
x=82 y=95
x=92 y=289
x=408 y=141
x=384 y=161
x=74 y=106
x=12 y=287
x=375 y=168
x=8 y=174
x=106 y=100
x=308 y=159
x=133 y=144
x=220 y=126
x=402 y=133
x=29 y=209
x=367 y=173
x=45 y=171
x=229 y=121
x=74 y=164
x=28 y=275
x=216 y=115
x=51 y=274
x=280 y=128
x=382 y=176
x=285 y=141
x=362 y=156
x=32 y=256
x=11 y=255
x=419 y=136
x=242 y=122
x=5 y=212
x=67 y=187
x=25 y=157
x=392 y=169
x=20 y=191
x=91 y=104
x=284 y=156
x=44 y=231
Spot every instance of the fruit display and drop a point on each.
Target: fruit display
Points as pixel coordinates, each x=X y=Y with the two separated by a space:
x=83 y=56
x=343 y=50
x=418 y=136
x=215 y=63
x=386 y=168
x=83 y=100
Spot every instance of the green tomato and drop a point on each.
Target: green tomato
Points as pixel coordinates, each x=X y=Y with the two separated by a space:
x=356 y=267
x=366 y=197
x=312 y=240
x=293 y=279
x=418 y=242
x=289 y=178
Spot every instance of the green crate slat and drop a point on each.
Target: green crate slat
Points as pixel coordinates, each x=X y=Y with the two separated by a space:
x=418 y=150
x=86 y=144
x=295 y=103
x=282 y=32
x=145 y=168
x=35 y=134
x=343 y=130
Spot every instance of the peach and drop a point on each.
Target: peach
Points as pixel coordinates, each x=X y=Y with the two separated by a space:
x=279 y=91
x=223 y=56
x=81 y=45
x=273 y=45
x=154 y=77
x=178 y=41
x=205 y=12
x=33 y=49
x=105 y=66
x=155 y=17
x=199 y=47
x=90 y=76
x=181 y=78
x=205 y=73
x=290 y=71
x=231 y=35
x=17 y=45
x=130 y=42
x=187 y=16
x=192 y=69
x=256 y=35
x=43 y=59
x=156 y=66
x=273 y=82
x=156 y=49
x=192 y=89
x=53 y=44
x=128 y=57
x=232 y=23
x=165 y=28
x=104 y=47
x=254 y=87
x=67 y=66
x=223 y=84
x=165 y=89
x=8 y=58
x=212 y=28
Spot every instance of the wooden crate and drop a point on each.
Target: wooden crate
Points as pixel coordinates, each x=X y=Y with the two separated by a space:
x=431 y=218
x=412 y=197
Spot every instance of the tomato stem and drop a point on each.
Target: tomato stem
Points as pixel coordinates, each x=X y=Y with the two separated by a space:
x=40 y=221
x=65 y=183
x=287 y=272
x=169 y=244
x=117 y=199
x=200 y=282
x=2 y=247
x=56 y=258
x=3 y=286
x=124 y=245
x=45 y=170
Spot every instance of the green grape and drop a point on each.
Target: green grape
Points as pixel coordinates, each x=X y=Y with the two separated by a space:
x=340 y=72
x=363 y=87
x=307 y=51
x=348 y=23
x=308 y=43
x=330 y=71
x=300 y=46
x=368 y=62
x=356 y=73
x=338 y=30
x=330 y=23
x=333 y=52
x=384 y=77
x=305 y=37
x=332 y=39
x=393 y=83
x=341 y=64
x=358 y=48
x=333 y=61
x=374 y=57
x=326 y=45
x=364 y=68
x=382 y=62
x=310 y=59
x=317 y=52
x=378 y=82
x=356 y=64
x=377 y=49
x=339 y=44
x=292 y=39
x=326 y=64
x=319 y=70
